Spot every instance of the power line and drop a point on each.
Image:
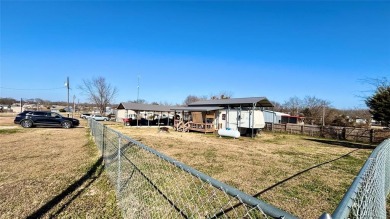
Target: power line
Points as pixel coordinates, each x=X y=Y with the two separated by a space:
x=8 y=88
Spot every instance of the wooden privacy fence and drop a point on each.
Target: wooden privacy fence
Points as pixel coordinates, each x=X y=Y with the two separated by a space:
x=334 y=132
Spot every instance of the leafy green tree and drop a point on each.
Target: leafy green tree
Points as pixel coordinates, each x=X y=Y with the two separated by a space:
x=379 y=104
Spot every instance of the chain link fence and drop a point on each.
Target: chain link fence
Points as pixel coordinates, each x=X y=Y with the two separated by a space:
x=366 y=198
x=152 y=185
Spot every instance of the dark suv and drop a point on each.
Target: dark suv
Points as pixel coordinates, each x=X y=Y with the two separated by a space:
x=27 y=119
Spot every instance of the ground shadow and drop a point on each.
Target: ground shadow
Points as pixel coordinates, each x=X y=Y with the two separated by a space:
x=92 y=174
x=343 y=143
x=224 y=211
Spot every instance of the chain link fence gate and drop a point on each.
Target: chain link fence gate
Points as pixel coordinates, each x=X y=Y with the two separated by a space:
x=152 y=185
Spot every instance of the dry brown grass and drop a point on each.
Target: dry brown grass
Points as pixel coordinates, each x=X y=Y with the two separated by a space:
x=38 y=164
x=254 y=165
x=7 y=119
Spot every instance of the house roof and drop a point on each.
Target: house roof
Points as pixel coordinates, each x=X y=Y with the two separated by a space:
x=144 y=107
x=277 y=113
x=195 y=109
x=244 y=102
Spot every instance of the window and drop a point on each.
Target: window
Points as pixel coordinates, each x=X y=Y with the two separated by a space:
x=54 y=114
x=39 y=114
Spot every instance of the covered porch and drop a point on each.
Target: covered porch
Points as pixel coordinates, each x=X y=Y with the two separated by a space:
x=199 y=119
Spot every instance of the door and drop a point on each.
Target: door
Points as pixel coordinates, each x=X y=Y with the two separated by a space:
x=39 y=117
x=54 y=118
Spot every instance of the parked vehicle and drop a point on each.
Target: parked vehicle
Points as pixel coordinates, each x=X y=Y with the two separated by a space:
x=84 y=115
x=99 y=118
x=28 y=119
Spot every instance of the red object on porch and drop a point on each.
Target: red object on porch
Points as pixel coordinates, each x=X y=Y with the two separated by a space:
x=126 y=121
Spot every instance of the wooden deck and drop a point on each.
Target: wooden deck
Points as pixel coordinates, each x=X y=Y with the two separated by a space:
x=193 y=126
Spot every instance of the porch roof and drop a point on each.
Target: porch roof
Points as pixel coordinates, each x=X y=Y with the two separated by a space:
x=234 y=102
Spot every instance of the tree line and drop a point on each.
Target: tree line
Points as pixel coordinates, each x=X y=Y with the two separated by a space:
x=317 y=111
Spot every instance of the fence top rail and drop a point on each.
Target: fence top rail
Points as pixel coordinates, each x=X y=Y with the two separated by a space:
x=343 y=209
x=245 y=198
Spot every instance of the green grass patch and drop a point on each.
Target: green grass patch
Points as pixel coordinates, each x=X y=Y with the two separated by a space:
x=276 y=139
x=349 y=164
x=210 y=154
x=289 y=153
x=9 y=131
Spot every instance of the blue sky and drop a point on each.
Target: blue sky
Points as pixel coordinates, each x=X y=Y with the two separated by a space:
x=177 y=48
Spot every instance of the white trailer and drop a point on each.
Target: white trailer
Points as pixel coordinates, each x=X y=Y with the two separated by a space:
x=243 y=120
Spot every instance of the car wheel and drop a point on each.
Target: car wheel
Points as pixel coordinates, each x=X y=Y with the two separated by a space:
x=26 y=123
x=106 y=120
x=66 y=124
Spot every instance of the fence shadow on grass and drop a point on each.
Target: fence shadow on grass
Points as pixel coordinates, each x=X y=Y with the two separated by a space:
x=343 y=143
x=283 y=181
x=93 y=173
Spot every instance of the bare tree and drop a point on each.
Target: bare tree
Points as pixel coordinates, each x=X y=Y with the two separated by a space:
x=311 y=107
x=138 y=101
x=7 y=101
x=192 y=98
x=293 y=105
x=221 y=95
x=277 y=107
x=165 y=103
x=333 y=116
x=315 y=109
x=99 y=92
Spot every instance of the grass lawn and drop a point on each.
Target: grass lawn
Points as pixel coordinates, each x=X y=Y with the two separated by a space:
x=52 y=172
x=304 y=176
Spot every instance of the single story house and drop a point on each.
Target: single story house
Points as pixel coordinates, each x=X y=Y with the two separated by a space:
x=144 y=114
x=242 y=114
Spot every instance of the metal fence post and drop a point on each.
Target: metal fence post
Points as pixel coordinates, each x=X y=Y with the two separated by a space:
x=325 y=216
x=103 y=147
x=119 y=165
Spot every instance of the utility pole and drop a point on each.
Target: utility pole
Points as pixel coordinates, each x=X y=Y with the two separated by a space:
x=138 y=90
x=74 y=106
x=67 y=86
x=323 y=115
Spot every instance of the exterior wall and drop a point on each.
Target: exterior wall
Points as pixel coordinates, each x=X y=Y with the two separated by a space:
x=229 y=120
x=273 y=117
x=120 y=115
x=15 y=109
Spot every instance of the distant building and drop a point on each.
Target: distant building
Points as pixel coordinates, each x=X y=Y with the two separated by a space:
x=282 y=118
x=139 y=110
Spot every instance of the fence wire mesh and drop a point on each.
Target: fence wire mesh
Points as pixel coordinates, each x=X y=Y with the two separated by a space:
x=366 y=198
x=152 y=185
